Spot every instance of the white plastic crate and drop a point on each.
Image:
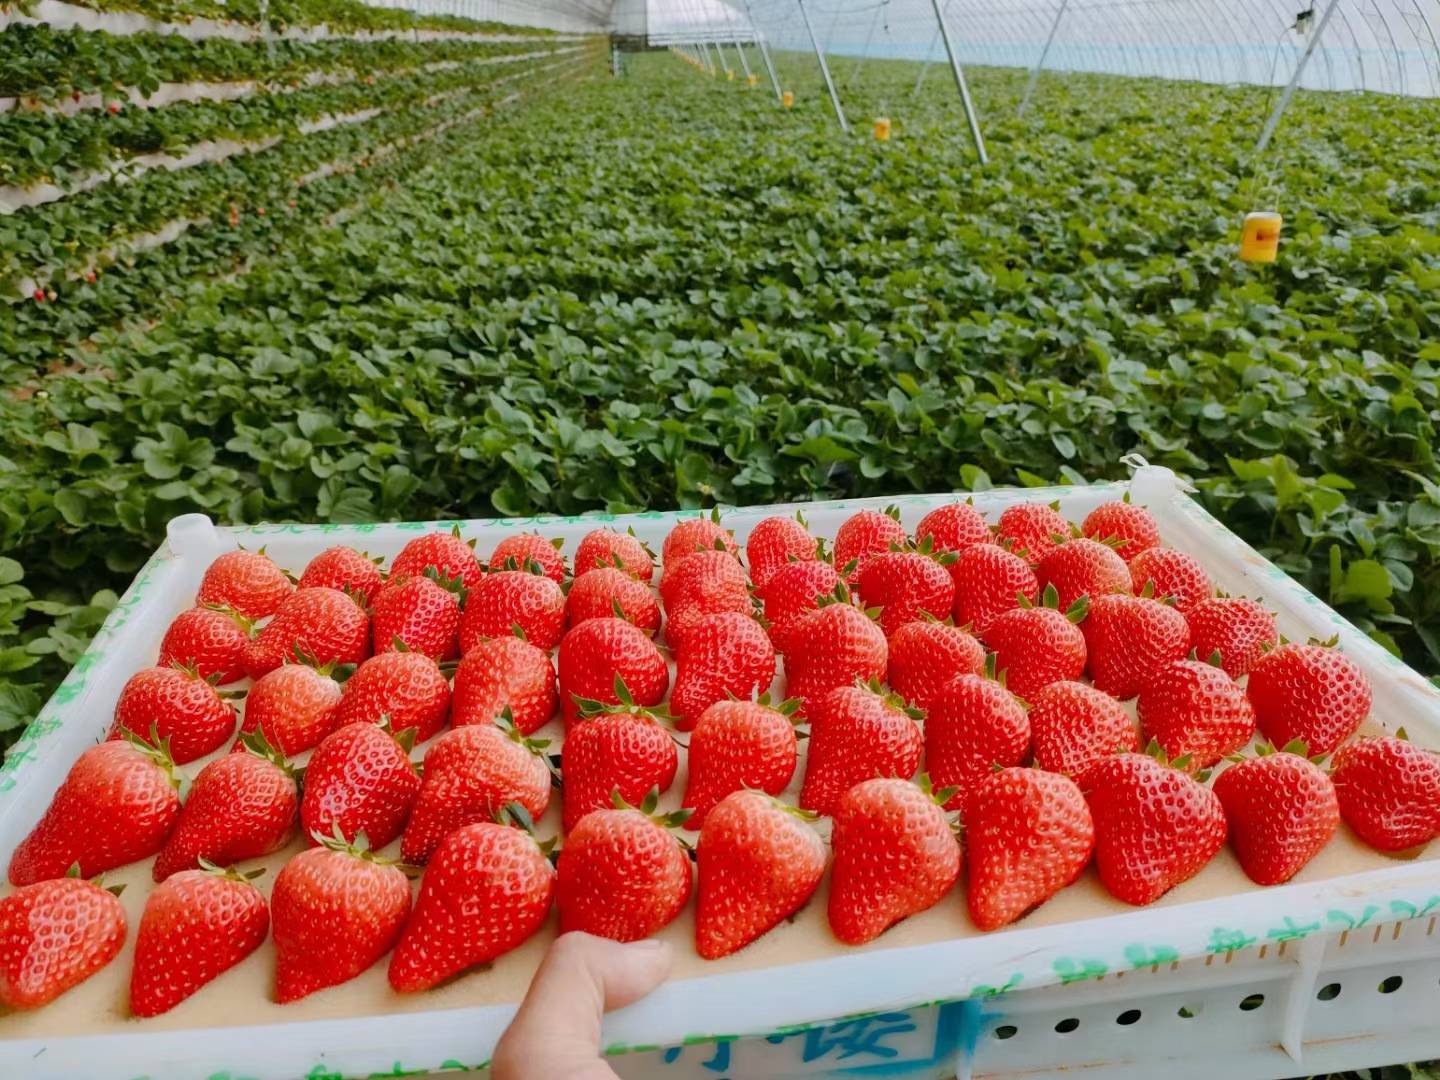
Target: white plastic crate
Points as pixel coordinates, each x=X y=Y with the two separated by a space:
x=919 y=1002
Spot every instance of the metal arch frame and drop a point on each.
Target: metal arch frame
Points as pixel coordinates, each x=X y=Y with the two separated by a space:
x=1400 y=80
x=1432 y=66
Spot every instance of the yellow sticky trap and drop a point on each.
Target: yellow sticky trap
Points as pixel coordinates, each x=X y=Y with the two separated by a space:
x=752 y=80
x=882 y=129
x=1260 y=237
x=730 y=74
x=787 y=98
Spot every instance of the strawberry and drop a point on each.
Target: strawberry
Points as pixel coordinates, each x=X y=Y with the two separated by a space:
x=1171 y=575
x=954 y=527
x=419 y=613
x=793 y=592
x=906 y=585
x=1281 y=811
x=1389 y=792
x=624 y=752
x=777 y=542
x=1239 y=630
x=345 y=569
x=443 y=553
x=505 y=673
x=1036 y=646
x=830 y=648
x=116 y=805
x=1128 y=638
x=175 y=705
x=323 y=625
x=196 y=926
x=1073 y=725
x=336 y=909
x=359 y=780
x=727 y=655
x=924 y=656
x=606 y=547
x=514 y=600
x=622 y=875
x=1028 y=835
x=469 y=774
x=895 y=856
x=759 y=863
x=241 y=806
x=526 y=551
x=1194 y=709
x=1128 y=528
x=697 y=534
x=488 y=889
x=211 y=641
x=867 y=533
x=406 y=688
x=1155 y=826
x=989 y=580
x=706 y=583
x=1032 y=530
x=1311 y=692
x=1083 y=567
x=600 y=651
x=974 y=724
x=293 y=707
x=735 y=745
x=856 y=733
x=608 y=592
x=54 y=935
x=246 y=582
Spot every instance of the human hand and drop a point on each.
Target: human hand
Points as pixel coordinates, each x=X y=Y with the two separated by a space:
x=556 y=1033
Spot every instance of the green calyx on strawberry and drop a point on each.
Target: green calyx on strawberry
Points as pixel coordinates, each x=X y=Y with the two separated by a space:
x=1050 y=598
x=648 y=806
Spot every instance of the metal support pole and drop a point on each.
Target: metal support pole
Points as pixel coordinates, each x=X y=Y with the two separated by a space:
x=929 y=58
x=723 y=62
x=1280 y=106
x=961 y=85
x=744 y=64
x=869 y=38
x=705 y=48
x=825 y=68
x=764 y=51
x=1040 y=64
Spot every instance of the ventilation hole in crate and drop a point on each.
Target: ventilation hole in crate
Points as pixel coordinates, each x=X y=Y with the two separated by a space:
x=1253 y=1002
x=1006 y=1031
x=1329 y=992
x=1390 y=985
x=1189 y=1012
x=1066 y=1026
x=1128 y=1017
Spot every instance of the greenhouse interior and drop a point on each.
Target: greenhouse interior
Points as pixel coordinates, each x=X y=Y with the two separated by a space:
x=928 y=510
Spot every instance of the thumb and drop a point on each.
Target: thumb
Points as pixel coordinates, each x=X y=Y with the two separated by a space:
x=556 y=1032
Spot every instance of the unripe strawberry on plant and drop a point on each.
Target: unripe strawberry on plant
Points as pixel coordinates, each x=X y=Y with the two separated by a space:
x=421 y=614
x=1083 y=567
x=323 y=625
x=907 y=585
x=359 y=780
x=246 y=582
x=293 y=707
x=500 y=674
x=1194 y=709
x=974 y=724
x=406 y=688
x=834 y=646
x=728 y=655
x=510 y=602
x=345 y=569
x=597 y=653
x=1122 y=525
x=864 y=535
x=1281 y=810
x=857 y=733
x=988 y=581
x=624 y=551
x=1171 y=575
x=608 y=592
x=1236 y=629
x=1128 y=638
x=445 y=554
x=706 y=583
x=1310 y=692
x=175 y=705
x=1389 y=791
x=924 y=655
x=697 y=534
x=1036 y=645
x=1073 y=725
x=739 y=745
x=953 y=527
x=777 y=542
x=1032 y=530
x=525 y=551
x=55 y=934
x=615 y=750
x=212 y=641
x=794 y=591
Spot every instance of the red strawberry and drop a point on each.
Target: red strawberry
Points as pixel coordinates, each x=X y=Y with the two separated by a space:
x=1032 y=530
x=1028 y=835
x=1036 y=646
x=606 y=547
x=989 y=580
x=697 y=534
x=924 y=656
x=954 y=527
x=735 y=745
x=1240 y=630
x=212 y=641
x=505 y=673
x=1128 y=528
x=793 y=592
x=246 y=582
x=1194 y=709
x=241 y=806
x=406 y=688
x=1128 y=638
x=1309 y=692
x=777 y=542
x=973 y=725
x=624 y=752
x=895 y=856
x=1281 y=811
x=1170 y=574
x=1083 y=567
x=116 y=805
x=606 y=593
x=1389 y=792
x=336 y=910
x=176 y=705
x=469 y=775
x=293 y=707
x=511 y=600
x=830 y=648
x=345 y=569
x=359 y=780
x=323 y=625
x=906 y=585
x=857 y=733
x=444 y=553
x=521 y=550
x=1073 y=725
x=867 y=533
x=420 y=613
x=487 y=890
x=54 y=935
x=727 y=655
x=1155 y=826
x=622 y=874
x=706 y=583
x=597 y=653
x=759 y=862
x=196 y=926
